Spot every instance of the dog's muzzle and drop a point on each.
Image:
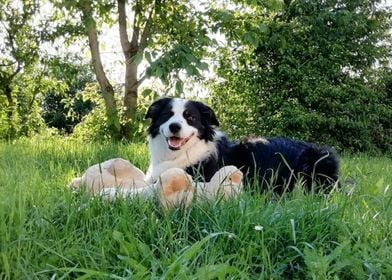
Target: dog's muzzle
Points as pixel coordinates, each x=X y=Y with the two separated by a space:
x=175 y=143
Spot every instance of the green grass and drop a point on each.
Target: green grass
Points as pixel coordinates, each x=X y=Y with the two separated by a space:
x=46 y=232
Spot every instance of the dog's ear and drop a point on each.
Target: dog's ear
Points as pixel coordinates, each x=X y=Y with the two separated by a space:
x=156 y=107
x=207 y=113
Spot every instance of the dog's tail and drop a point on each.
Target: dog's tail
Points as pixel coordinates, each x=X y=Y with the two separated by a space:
x=320 y=166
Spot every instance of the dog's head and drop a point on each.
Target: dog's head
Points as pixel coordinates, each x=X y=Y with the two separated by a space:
x=179 y=121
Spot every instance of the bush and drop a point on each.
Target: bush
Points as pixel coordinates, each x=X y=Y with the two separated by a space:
x=93 y=126
x=311 y=75
x=64 y=109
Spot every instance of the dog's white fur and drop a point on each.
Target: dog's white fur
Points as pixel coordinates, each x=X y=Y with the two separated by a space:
x=194 y=151
x=178 y=110
x=163 y=159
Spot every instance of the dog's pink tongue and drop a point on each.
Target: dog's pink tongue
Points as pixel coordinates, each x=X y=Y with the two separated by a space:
x=175 y=142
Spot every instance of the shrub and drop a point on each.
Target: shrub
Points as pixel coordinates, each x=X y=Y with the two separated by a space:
x=310 y=74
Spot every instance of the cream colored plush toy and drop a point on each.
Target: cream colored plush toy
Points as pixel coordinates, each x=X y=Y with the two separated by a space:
x=119 y=178
x=176 y=188
x=116 y=172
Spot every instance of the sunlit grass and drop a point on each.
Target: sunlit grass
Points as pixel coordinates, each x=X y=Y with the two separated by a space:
x=48 y=232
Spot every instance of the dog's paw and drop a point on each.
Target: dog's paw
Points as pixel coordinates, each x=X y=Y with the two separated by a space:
x=175 y=188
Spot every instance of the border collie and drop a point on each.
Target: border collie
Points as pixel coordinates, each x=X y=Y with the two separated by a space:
x=183 y=134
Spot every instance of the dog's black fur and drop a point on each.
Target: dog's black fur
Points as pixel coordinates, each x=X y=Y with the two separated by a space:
x=276 y=163
x=204 y=118
x=271 y=162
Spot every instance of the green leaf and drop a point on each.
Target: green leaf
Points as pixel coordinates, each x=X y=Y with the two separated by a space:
x=147 y=55
x=118 y=236
x=276 y=5
x=191 y=58
x=159 y=72
x=219 y=271
x=203 y=66
x=179 y=88
x=251 y=38
x=226 y=16
x=137 y=59
x=191 y=70
x=188 y=254
x=146 y=92
x=263 y=28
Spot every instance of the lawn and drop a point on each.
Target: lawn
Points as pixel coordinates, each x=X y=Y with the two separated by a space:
x=47 y=232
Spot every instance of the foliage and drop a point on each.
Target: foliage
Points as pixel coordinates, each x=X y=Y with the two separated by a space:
x=316 y=70
x=19 y=48
x=345 y=235
x=170 y=36
x=28 y=92
x=312 y=70
x=93 y=126
x=44 y=98
x=64 y=109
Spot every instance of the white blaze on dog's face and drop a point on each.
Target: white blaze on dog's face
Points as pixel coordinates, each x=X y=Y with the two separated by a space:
x=181 y=134
x=181 y=122
x=176 y=129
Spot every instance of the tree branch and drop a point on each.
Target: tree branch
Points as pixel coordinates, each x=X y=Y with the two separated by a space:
x=14 y=52
x=95 y=53
x=136 y=29
x=147 y=30
x=17 y=70
x=36 y=88
x=122 y=23
x=7 y=64
x=139 y=81
x=107 y=91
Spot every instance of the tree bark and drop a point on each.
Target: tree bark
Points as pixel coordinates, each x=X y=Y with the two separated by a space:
x=10 y=111
x=130 y=50
x=113 y=120
x=130 y=97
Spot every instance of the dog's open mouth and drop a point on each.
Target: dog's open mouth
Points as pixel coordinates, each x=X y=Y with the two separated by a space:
x=175 y=143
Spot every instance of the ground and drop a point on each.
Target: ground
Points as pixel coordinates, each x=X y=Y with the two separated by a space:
x=48 y=232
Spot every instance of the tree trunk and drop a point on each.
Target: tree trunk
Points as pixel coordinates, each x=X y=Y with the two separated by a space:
x=130 y=50
x=10 y=112
x=113 y=120
x=130 y=98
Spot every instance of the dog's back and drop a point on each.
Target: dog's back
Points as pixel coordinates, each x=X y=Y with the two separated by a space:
x=280 y=162
x=274 y=163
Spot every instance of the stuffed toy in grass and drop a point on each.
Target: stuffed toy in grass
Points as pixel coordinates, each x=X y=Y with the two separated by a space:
x=119 y=178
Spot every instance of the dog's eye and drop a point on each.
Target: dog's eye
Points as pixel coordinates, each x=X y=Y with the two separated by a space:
x=190 y=118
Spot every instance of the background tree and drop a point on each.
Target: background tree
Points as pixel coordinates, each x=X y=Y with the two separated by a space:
x=19 y=46
x=309 y=70
x=24 y=74
x=170 y=35
x=312 y=70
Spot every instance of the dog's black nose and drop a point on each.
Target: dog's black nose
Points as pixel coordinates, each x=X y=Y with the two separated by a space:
x=174 y=127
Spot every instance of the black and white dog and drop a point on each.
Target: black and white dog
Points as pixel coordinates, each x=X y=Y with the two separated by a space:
x=183 y=134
